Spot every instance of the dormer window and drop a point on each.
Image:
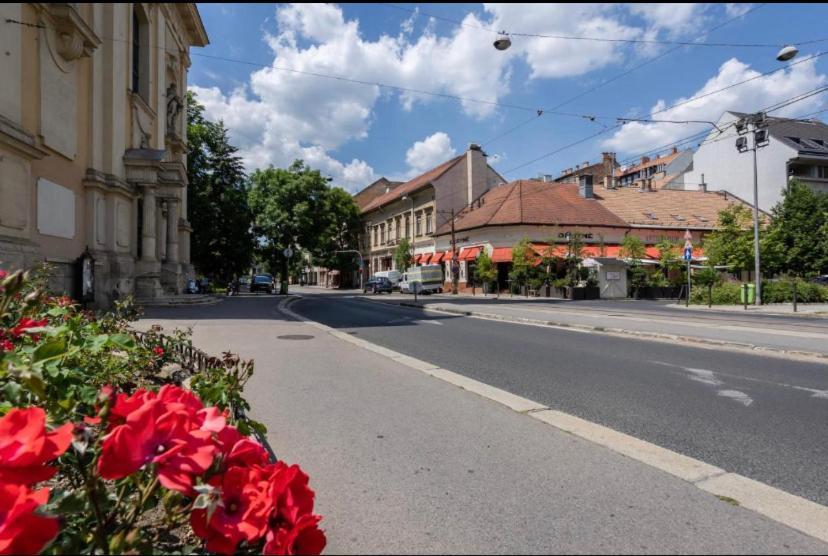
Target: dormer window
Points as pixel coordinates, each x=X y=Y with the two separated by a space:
x=678 y=217
x=650 y=216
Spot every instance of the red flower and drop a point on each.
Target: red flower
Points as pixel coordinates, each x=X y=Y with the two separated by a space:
x=22 y=530
x=241 y=514
x=159 y=351
x=238 y=450
x=25 y=446
x=25 y=324
x=3 y=273
x=6 y=345
x=290 y=492
x=124 y=405
x=165 y=434
x=304 y=537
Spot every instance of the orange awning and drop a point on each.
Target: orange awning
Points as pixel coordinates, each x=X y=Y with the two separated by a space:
x=502 y=255
x=426 y=258
x=417 y=259
x=437 y=258
x=469 y=253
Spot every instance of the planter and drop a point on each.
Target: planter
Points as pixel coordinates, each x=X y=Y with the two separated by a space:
x=579 y=294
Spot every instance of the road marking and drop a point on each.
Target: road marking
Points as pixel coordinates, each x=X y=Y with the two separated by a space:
x=795 y=512
x=423 y=321
x=737 y=396
x=702 y=375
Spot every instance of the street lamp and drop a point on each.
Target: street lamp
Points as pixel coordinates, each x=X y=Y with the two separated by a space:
x=503 y=41
x=757 y=123
x=788 y=52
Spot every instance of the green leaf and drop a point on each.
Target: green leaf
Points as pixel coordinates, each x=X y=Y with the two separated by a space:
x=52 y=349
x=124 y=341
x=96 y=343
x=12 y=391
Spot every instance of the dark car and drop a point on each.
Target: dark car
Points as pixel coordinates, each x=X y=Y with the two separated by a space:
x=822 y=280
x=262 y=283
x=378 y=284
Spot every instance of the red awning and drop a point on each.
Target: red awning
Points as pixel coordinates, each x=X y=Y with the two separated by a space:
x=502 y=255
x=426 y=258
x=438 y=257
x=417 y=259
x=469 y=253
x=652 y=252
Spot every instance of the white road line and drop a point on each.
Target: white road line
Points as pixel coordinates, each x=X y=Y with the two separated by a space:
x=736 y=396
x=795 y=512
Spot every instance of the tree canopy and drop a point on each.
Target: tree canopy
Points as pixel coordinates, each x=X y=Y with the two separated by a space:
x=221 y=244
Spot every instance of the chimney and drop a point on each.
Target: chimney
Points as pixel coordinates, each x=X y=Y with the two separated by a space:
x=645 y=159
x=585 y=186
x=476 y=173
x=702 y=185
x=577 y=166
x=606 y=182
x=586 y=163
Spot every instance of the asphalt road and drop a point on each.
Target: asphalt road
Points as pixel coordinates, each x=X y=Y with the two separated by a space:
x=762 y=417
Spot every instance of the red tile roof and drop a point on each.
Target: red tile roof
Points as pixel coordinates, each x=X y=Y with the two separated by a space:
x=654 y=162
x=412 y=185
x=674 y=208
x=533 y=202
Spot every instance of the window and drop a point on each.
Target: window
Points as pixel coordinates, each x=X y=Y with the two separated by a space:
x=428 y=223
x=375 y=236
x=407 y=226
x=419 y=228
x=382 y=234
x=140 y=53
x=700 y=218
x=822 y=172
x=650 y=216
x=678 y=217
x=399 y=226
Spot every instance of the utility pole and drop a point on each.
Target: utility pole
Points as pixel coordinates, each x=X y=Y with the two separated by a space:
x=758 y=124
x=455 y=265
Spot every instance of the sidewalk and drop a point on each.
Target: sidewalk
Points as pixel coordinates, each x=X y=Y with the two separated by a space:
x=404 y=463
x=805 y=336
x=785 y=309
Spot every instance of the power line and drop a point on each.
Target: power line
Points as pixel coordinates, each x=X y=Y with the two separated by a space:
x=599 y=39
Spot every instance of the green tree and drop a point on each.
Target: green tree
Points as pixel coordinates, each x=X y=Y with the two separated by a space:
x=522 y=263
x=796 y=241
x=632 y=248
x=402 y=255
x=485 y=271
x=574 y=256
x=731 y=244
x=222 y=242
x=287 y=207
x=707 y=277
x=669 y=260
x=339 y=224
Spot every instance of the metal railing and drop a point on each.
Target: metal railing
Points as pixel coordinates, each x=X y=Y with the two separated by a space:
x=195 y=361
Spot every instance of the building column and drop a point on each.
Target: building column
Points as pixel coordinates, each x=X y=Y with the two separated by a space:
x=148 y=231
x=161 y=231
x=172 y=230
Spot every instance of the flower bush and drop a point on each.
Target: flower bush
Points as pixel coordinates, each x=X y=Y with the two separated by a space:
x=104 y=449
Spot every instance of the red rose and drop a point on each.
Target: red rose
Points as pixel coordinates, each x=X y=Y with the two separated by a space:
x=290 y=493
x=238 y=450
x=26 y=446
x=3 y=273
x=165 y=434
x=241 y=514
x=25 y=324
x=22 y=530
x=125 y=405
x=159 y=351
x=6 y=345
x=304 y=537
x=175 y=394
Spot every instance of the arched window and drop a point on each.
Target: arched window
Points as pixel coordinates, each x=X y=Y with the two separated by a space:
x=140 y=53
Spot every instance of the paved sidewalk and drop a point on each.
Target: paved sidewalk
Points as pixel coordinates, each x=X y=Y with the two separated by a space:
x=782 y=309
x=405 y=463
x=787 y=334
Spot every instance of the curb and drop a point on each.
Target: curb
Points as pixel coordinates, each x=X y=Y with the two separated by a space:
x=695 y=341
x=782 y=507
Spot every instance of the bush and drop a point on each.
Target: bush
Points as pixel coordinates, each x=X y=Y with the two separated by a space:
x=781 y=291
x=104 y=450
x=723 y=294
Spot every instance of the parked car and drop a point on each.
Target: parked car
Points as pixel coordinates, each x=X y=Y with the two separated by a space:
x=378 y=284
x=192 y=287
x=262 y=283
x=822 y=280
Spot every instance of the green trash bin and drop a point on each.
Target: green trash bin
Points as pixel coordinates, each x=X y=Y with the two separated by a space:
x=750 y=291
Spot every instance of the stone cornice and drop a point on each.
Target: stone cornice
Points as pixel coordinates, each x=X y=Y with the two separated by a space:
x=95 y=179
x=197 y=35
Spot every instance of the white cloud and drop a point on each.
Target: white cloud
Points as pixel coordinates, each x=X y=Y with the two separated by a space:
x=749 y=97
x=736 y=10
x=430 y=152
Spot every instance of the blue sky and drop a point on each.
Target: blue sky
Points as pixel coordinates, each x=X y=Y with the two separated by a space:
x=357 y=133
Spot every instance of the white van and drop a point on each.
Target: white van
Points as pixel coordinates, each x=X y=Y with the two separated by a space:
x=393 y=275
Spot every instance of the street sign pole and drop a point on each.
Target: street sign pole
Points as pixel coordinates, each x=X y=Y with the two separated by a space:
x=288 y=253
x=688 y=256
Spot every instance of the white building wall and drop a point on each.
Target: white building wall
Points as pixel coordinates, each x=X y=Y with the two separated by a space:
x=725 y=168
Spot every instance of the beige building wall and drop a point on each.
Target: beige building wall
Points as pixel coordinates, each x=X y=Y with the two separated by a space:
x=86 y=163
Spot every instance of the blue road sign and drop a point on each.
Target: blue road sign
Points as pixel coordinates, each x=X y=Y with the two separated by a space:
x=688 y=253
